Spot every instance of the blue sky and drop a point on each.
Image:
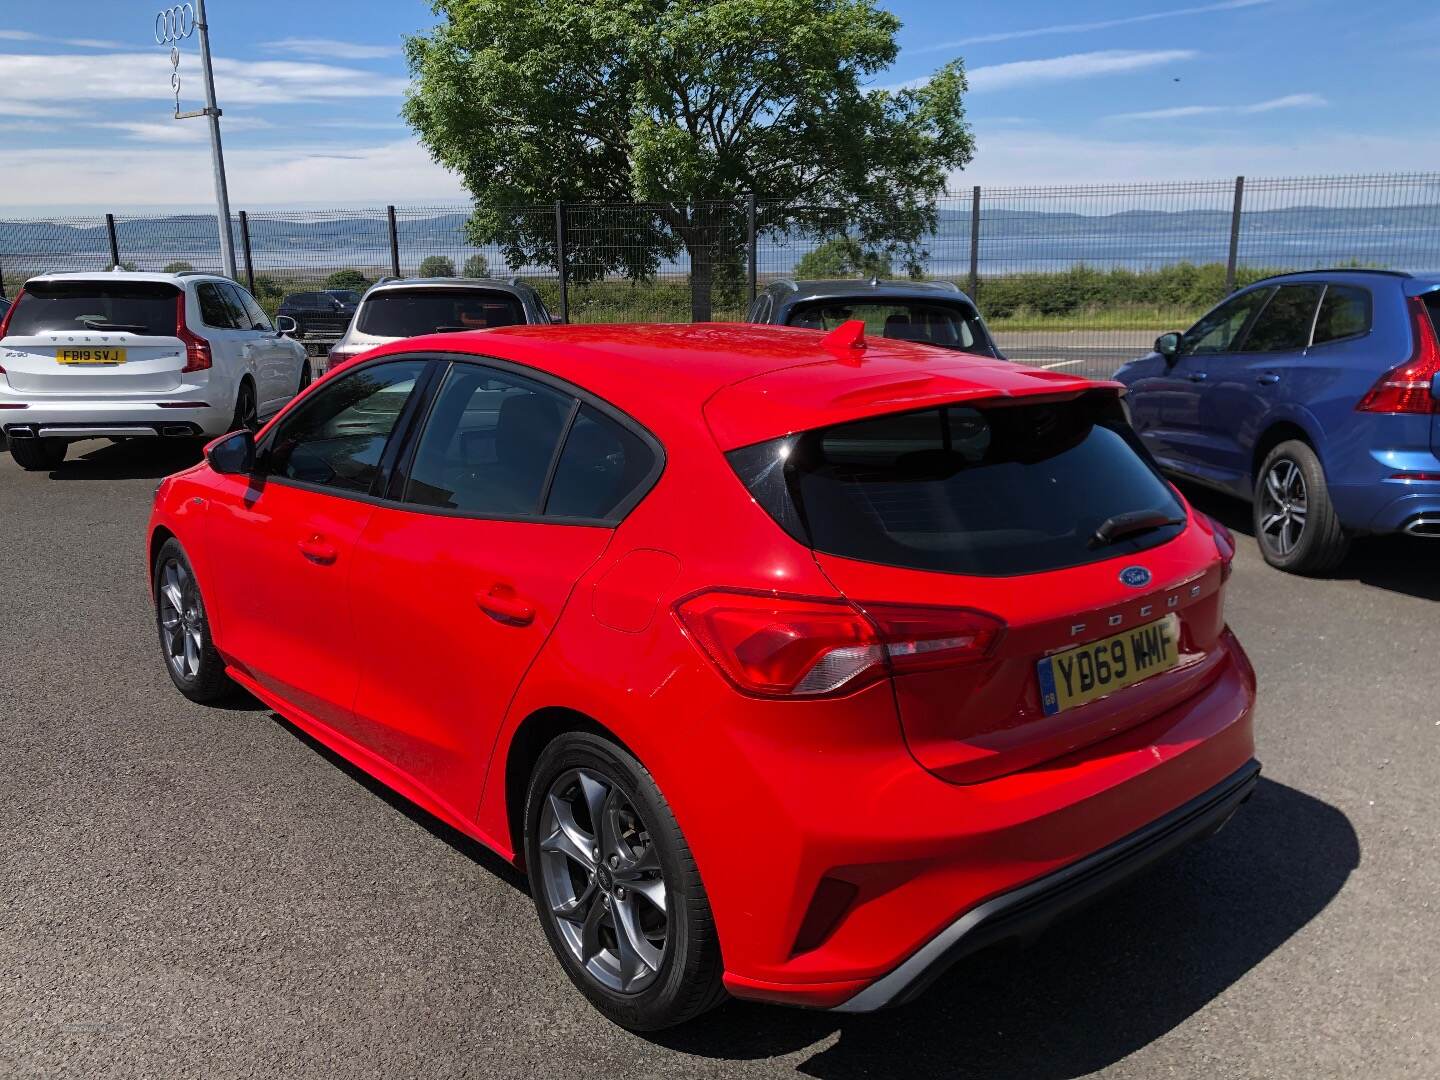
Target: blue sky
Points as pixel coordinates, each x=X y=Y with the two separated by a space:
x=1062 y=93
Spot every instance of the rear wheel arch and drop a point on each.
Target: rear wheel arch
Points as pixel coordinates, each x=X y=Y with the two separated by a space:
x=1278 y=432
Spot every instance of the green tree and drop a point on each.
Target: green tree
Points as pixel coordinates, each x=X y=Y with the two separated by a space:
x=347 y=279
x=437 y=266
x=477 y=266
x=178 y=267
x=686 y=106
x=842 y=257
x=266 y=287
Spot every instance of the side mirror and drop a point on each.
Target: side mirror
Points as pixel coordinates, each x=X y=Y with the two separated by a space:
x=233 y=454
x=1168 y=345
x=285 y=325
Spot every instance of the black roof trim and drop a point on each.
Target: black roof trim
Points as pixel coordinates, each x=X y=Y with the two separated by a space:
x=1337 y=270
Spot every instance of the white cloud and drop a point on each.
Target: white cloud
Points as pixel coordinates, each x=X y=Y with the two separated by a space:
x=1178 y=112
x=30 y=108
x=330 y=49
x=78 y=43
x=172 y=176
x=179 y=131
x=1079 y=28
x=1074 y=66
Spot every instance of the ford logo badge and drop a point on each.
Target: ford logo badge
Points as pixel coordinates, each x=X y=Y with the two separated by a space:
x=1137 y=577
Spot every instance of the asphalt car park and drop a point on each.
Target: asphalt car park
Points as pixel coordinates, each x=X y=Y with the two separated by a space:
x=193 y=891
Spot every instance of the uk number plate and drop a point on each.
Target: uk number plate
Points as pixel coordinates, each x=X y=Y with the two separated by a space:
x=1087 y=672
x=90 y=356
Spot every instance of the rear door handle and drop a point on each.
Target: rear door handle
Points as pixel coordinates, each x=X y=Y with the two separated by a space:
x=502 y=605
x=1198 y=376
x=1268 y=379
x=317 y=550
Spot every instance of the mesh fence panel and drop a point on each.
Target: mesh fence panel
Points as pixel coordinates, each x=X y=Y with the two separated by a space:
x=1077 y=277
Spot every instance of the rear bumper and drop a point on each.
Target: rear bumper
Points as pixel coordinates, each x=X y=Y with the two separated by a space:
x=98 y=418
x=1024 y=912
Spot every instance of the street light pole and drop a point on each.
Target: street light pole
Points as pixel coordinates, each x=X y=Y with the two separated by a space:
x=222 y=193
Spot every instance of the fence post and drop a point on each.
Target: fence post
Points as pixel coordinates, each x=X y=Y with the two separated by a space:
x=750 y=244
x=394 y=243
x=2 y=281
x=1234 y=234
x=560 y=261
x=114 y=241
x=975 y=243
x=245 y=248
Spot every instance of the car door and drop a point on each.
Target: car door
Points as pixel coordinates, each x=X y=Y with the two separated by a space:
x=228 y=333
x=1167 y=401
x=466 y=576
x=1246 y=382
x=280 y=543
x=277 y=368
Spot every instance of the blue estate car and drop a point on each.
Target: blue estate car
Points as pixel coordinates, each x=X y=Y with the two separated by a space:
x=1316 y=396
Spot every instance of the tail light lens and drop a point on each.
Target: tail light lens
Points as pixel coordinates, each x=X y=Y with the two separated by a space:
x=798 y=646
x=5 y=319
x=197 y=349
x=1225 y=544
x=337 y=357
x=1408 y=388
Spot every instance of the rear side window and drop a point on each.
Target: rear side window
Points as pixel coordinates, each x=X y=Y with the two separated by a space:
x=215 y=310
x=1344 y=313
x=999 y=490
x=411 y=312
x=1284 y=325
x=135 y=307
x=951 y=326
x=600 y=468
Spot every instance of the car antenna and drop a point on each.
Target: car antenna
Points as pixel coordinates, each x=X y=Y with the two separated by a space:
x=847 y=341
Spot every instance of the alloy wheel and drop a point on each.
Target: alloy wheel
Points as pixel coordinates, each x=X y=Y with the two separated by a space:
x=182 y=620
x=602 y=881
x=1283 y=507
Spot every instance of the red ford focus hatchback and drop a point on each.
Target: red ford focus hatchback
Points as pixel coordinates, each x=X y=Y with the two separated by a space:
x=788 y=666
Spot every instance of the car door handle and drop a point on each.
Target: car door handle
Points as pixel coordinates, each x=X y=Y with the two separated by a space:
x=1198 y=376
x=318 y=551
x=502 y=605
x=1267 y=379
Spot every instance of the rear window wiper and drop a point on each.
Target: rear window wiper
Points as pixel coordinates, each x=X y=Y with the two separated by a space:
x=1132 y=523
x=117 y=327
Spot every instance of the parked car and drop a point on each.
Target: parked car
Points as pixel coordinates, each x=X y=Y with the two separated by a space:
x=408 y=307
x=124 y=354
x=930 y=312
x=4 y=305
x=851 y=657
x=1314 y=396
x=322 y=315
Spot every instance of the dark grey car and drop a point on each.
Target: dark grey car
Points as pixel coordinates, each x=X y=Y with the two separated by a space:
x=930 y=312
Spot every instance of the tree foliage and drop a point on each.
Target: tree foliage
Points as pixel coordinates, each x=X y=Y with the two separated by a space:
x=347 y=279
x=177 y=267
x=476 y=266
x=437 y=266
x=266 y=287
x=842 y=257
x=688 y=107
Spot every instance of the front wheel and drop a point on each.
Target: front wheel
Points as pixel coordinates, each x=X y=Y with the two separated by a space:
x=616 y=887
x=38 y=455
x=1295 y=522
x=191 y=658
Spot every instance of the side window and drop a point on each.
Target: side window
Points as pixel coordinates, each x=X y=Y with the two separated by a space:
x=488 y=445
x=1284 y=325
x=1219 y=331
x=1344 y=313
x=258 y=319
x=760 y=310
x=236 y=304
x=214 y=311
x=601 y=466
x=337 y=436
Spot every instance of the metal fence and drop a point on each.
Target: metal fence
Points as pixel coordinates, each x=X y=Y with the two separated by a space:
x=1079 y=277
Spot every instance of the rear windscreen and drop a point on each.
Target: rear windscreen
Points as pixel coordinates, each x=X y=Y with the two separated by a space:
x=405 y=313
x=988 y=490
x=951 y=326
x=120 y=307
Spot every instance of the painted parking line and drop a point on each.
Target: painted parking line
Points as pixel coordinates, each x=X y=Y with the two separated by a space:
x=1060 y=363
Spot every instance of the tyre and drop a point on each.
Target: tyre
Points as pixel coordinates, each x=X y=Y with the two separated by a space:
x=1295 y=522
x=194 y=665
x=305 y=375
x=247 y=410
x=38 y=455
x=616 y=887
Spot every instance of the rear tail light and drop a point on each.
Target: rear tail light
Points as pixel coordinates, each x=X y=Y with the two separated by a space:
x=1225 y=544
x=800 y=646
x=338 y=356
x=1409 y=387
x=197 y=349
x=5 y=319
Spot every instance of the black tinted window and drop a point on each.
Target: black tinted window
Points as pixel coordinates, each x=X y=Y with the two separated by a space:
x=1345 y=312
x=408 y=313
x=258 y=319
x=214 y=310
x=132 y=307
x=601 y=466
x=488 y=445
x=235 y=298
x=336 y=437
x=1219 y=331
x=952 y=326
x=984 y=490
x=1284 y=325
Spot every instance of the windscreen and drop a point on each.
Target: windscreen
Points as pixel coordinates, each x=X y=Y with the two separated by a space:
x=987 y=489
x=409 y=313
x=951 y=326
x=134 y=307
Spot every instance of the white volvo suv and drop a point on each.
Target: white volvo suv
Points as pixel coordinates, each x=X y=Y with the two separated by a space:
x=123 y=354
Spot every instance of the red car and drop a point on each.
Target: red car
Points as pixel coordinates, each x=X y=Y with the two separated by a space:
x=789 y=665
